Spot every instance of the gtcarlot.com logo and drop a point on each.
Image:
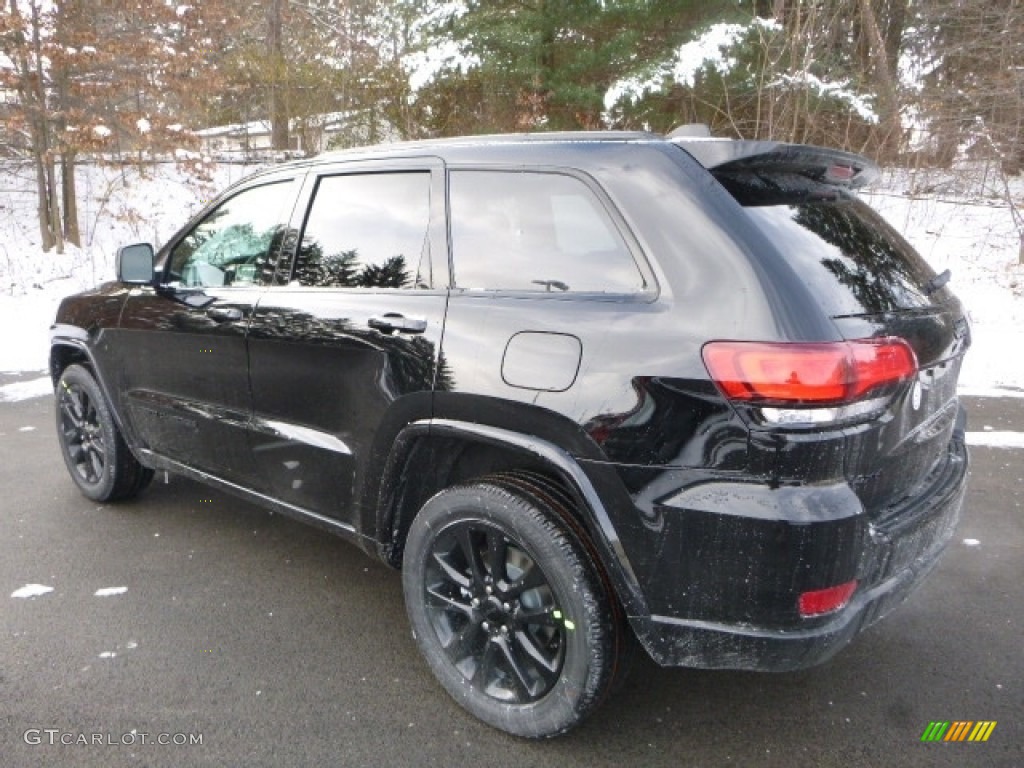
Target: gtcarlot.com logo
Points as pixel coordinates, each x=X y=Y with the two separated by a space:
x=56 y=737
x=958 y=730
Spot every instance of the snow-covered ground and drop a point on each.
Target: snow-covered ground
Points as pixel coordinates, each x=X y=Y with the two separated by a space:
x=972 y=235
x=117 y=206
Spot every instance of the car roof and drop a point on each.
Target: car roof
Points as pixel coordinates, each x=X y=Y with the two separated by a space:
x=482 y=148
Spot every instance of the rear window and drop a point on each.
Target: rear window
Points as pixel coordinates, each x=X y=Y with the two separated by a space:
x=853 y=261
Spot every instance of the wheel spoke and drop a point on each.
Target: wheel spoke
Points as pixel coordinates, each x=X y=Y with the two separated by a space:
x=549 y=662
x=91 y=416
x=519 y=675
x=497 y=553
x=69 y=411
x=471 y=552
x=539 y=618
x=465 y=643
x=75 y=396
x=441 y=601
x=96 y=460
x=484 y=666
x=451 y=572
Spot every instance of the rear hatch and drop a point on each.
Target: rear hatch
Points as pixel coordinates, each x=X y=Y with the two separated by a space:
x=872 y=284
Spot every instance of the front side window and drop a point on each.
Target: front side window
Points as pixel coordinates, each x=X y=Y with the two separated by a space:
x=537 y=232
x=235 y=243
x=367 y=230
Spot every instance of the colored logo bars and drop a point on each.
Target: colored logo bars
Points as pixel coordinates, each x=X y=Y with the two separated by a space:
x=958 y=730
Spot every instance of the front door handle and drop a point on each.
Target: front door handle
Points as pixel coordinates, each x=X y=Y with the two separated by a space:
x=392 y=321
x=223 y=314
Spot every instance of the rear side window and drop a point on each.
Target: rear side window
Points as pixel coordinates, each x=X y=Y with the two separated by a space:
x=537 y=232
x=853 y=261
x=367 y=231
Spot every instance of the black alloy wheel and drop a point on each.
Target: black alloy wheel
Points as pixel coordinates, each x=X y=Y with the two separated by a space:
x=508 y=609
x=494 y=612
x=96 y=455
x=82 y=433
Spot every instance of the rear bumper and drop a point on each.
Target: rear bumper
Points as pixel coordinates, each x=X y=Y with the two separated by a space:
x=889 y=557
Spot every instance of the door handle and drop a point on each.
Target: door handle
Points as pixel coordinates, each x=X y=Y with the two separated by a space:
x=392 y=321
x=223 y=314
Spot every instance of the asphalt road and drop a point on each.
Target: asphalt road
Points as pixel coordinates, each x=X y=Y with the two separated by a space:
x=277 y=645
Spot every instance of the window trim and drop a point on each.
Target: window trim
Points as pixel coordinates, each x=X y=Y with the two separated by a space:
x=646 y=295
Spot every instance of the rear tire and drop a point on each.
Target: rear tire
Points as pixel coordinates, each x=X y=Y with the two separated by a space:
x=96 y=455
x=508 y=610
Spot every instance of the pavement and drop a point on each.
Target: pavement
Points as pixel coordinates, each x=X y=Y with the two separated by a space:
x=243 y=638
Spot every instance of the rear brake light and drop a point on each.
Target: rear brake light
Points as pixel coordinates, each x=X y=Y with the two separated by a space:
x=816 y=374
x=840 y=173
x=820 y=601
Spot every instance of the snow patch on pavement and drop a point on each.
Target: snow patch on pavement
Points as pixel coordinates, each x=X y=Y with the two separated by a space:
x=26 y=390
x=996 y=439
x=110 y=591
x=32 y=590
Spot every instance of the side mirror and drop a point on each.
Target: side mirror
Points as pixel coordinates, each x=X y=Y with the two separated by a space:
x=135 y=264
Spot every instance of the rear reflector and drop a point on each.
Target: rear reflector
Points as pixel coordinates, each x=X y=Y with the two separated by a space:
x=826 y=600
x=788 y=374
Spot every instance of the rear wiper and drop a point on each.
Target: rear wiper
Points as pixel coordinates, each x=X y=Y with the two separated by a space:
x=549 y=284
x=937 y=282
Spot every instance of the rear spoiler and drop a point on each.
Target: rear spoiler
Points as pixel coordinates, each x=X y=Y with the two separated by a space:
x=828 y=166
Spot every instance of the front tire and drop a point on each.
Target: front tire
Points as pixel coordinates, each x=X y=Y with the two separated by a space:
x=508 y=609
x=94 y=451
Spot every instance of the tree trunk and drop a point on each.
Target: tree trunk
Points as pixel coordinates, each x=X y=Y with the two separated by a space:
x=889 y=125
x=43 y=200
x=49 y=205
x=275 y=51
x=68 y=194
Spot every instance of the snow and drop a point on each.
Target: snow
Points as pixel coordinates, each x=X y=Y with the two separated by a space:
x=971 y=542
x=996 y=439
x=976 y=240
x=690 y=58
x=143 y=125
x=965 y=230
x=102 y=131
x=445 y=55
x=31 y=590
x=116 y=207
x=836 y=90
x=110 y=591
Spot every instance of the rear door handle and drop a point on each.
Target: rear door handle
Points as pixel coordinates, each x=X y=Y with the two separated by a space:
x=223 y=314
x=392 y=321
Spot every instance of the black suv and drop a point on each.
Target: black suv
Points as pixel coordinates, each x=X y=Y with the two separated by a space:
x=583 y=389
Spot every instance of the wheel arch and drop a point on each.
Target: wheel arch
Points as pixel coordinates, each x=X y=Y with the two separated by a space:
x=69 y=346
x=433 y=454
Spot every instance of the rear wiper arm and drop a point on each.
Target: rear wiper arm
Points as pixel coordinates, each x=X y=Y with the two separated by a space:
x=937 y=282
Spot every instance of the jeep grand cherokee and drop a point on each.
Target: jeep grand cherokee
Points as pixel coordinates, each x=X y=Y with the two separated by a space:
x=584 y=390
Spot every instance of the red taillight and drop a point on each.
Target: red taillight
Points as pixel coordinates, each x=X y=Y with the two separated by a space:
x=784 y=374
x=821 y=601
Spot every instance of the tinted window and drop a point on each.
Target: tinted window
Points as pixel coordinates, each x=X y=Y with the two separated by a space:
x=234 y=243
x=854 y=262
x=535 y=232
x=367 y=231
